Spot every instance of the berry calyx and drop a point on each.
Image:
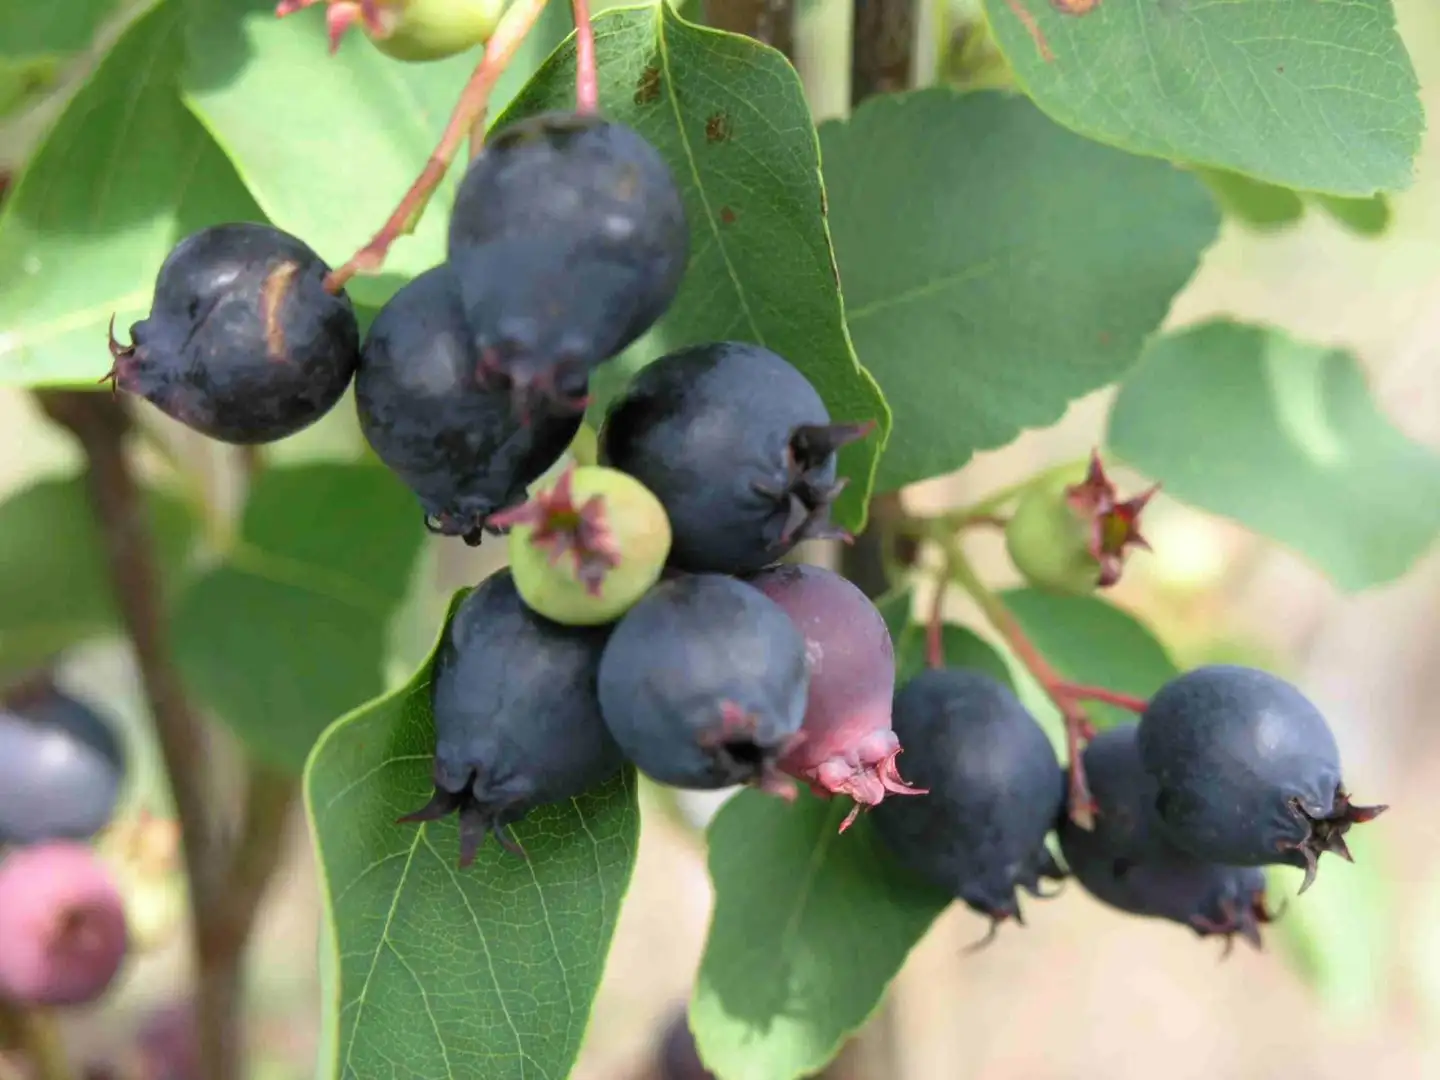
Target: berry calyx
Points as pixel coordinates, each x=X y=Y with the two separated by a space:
x=1072 y=534
x=809 y=488
x=587 y=548
x=414 y=30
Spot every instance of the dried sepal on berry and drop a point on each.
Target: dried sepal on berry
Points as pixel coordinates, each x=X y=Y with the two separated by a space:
x=1114 y=524
x=561 y=525
x=586 y=548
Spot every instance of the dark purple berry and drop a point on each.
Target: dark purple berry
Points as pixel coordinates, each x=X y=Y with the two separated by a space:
x=453 y=440
x=569 y=240
x=849 y=747
x=243 y=343
x=61 y=768
x=679 y=1058
x=703 y=685
x=995 y=788
x=1127 y=862
x=62 y=926
x=738 y=447
x=1247 y=770
x=517 y=720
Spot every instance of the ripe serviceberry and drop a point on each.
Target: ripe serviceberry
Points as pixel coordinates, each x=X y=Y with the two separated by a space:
x=243 y=343
x=1247 y=770
x=995 y=789
x=739 y=448
x=517 y=721
x=61 y=768
x=569 y=240
x=1127 y=862
x=703 y=685
x=454 y=441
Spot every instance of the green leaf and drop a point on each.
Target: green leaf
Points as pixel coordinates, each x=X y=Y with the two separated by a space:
x=327 y=144
x=809 y=928
x=50 y=27
x=729 y=115
x=487 y=972
x=1261 y=206
x=123 y=175
x=1368 y=217
x=291 y=630
x=1089 y=641
x=1025 y=269
x=1307 y=94
x=1284 y=437
x=52 y=568
x=961 y=646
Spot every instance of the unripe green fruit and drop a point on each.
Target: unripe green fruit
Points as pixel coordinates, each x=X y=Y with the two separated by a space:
x=586 y=547
x=418 y=30
x=1049 y=541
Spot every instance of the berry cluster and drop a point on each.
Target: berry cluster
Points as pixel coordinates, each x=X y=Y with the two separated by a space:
x=63 y=932
x=646 y=615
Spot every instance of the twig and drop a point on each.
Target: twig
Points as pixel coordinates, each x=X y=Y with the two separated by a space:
x=467 y=119
x=587 y=81
x=100 y=424
x=226 y=882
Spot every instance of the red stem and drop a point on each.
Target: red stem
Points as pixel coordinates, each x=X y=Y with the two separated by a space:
x=1078 y=727
x=587 y=81
x=1081 y=692
x=514 y=25
x=935 y=628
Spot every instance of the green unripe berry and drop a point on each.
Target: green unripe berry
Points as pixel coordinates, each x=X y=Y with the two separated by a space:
x=1070 y=532
x=1049 y=542
x=433 y=29
x=587 y=546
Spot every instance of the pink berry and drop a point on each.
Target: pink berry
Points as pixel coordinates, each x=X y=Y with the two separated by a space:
x=62 y=925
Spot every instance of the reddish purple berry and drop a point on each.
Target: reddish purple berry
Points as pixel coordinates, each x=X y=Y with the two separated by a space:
x=849 y=747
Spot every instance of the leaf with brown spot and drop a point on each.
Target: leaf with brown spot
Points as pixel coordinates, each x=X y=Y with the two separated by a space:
x=766 y=275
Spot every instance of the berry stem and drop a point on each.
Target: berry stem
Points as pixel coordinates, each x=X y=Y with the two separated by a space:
x=587 y=81
x=469 y=114
x=986 y=510
x=935 y=626
x=1078 y=727
x=1081 y=692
